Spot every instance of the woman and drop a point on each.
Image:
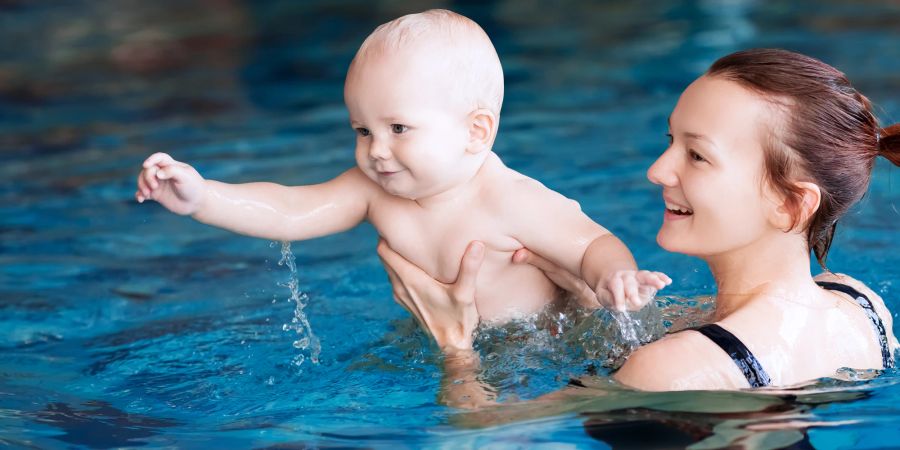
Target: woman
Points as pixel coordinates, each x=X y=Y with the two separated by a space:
x=767 y=150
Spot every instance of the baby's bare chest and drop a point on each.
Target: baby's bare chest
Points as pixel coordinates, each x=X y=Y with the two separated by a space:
x=436 y=241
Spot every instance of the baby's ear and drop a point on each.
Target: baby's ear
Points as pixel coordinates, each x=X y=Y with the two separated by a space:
x=482 y=130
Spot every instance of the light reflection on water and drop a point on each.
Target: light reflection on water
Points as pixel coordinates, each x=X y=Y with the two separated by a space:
x=123 y=325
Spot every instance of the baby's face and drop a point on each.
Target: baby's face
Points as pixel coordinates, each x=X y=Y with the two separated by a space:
x=411 y=137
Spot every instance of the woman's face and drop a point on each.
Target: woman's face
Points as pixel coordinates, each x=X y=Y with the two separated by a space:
x=712 y=172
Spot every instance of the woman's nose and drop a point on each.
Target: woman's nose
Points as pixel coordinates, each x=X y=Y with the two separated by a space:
x=662 y=172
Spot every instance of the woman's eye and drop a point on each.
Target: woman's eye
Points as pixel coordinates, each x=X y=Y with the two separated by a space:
x=363 y=132
x=398 y=129
x=696 y=156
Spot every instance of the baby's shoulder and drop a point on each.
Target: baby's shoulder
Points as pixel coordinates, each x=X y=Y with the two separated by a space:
x=360 y=184
x=520 y=191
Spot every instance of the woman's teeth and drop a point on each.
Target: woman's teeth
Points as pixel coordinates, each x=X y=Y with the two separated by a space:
x=680 y=210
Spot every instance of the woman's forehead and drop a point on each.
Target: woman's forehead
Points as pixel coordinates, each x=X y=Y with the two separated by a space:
x=721 y=110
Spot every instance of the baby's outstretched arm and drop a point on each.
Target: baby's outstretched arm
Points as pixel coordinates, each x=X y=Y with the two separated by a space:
x=265 y=210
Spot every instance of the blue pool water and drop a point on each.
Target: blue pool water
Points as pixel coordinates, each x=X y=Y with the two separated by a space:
x=122 y=325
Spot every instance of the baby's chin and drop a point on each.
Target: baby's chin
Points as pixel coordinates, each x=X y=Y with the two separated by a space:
x=386 y=187
x=402 y=194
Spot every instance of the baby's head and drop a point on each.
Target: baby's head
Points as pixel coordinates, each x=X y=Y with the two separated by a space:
x=424 y=94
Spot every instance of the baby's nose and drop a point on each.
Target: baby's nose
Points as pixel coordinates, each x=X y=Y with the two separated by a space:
x=379 y=150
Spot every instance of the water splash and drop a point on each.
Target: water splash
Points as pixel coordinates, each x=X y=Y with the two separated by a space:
x=306 y=342
x=534 y=353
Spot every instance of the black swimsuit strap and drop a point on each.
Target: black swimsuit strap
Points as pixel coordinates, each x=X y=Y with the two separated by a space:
x=866 y=305
x=739 y=353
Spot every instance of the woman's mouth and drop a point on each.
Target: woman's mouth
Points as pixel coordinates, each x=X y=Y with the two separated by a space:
x=675 y=212
x=678 y=210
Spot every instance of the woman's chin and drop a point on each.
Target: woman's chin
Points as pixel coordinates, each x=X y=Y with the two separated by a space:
x=673 y=244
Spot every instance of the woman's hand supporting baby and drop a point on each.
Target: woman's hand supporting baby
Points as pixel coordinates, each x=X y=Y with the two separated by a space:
x=447 y=311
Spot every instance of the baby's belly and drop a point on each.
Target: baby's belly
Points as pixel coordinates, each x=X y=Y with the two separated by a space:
x=506 y=291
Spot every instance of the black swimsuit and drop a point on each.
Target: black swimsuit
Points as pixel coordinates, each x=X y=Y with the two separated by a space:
x=750 y=366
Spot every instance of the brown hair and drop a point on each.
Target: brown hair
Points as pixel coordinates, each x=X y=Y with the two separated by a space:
x=829 y=135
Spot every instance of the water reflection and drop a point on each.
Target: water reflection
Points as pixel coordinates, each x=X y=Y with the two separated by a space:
x=98 y=424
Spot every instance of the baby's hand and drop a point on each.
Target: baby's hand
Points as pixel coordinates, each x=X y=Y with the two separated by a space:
x=175 y=185
x=630 y=289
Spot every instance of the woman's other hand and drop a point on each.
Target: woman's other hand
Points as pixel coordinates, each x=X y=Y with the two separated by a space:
x=447 y=311
x=575 y=286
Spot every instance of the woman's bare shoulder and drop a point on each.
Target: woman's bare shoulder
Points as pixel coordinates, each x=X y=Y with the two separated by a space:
x=873 y=296
x=681 y=361
x=849 y=281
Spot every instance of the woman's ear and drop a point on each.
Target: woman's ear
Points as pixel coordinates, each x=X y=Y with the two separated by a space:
x=809 y=198
x=482 y=130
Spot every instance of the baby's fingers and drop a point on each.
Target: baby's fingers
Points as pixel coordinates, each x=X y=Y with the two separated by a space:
x=174 y=173
x=616 y=289
x=158 y=158
x=657 y=280
x=143 y=191
x=632 y=296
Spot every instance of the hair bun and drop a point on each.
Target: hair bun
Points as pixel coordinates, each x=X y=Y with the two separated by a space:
x=889 y=143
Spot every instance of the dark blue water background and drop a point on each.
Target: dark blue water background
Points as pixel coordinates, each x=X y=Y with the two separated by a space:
x=124 y=325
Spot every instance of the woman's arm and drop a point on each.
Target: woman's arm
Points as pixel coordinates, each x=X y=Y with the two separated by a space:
x=448 y=313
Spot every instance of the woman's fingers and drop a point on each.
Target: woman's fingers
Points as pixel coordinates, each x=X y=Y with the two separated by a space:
x=559 y=276
x=523 y=255
x=466 y=281
x=391 y=260
x=405 y=270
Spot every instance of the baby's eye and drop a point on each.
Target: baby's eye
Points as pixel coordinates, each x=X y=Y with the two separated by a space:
x=671 y=139
x=696 y=156
x=363 y=131
x=399 y=129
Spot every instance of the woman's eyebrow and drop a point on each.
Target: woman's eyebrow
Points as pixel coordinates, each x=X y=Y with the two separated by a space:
x=692 y=135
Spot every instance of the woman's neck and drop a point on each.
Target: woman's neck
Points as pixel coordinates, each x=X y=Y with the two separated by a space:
x=778 y=266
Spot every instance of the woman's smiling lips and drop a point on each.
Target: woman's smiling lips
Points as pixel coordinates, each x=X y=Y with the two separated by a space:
x=675 y=211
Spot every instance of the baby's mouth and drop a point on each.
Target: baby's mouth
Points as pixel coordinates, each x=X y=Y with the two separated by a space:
x=678 y=210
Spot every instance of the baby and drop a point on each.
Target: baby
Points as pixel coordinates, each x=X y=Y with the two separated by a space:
x=424 y=93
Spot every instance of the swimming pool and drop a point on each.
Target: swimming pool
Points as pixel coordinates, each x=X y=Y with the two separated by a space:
x=123 y=325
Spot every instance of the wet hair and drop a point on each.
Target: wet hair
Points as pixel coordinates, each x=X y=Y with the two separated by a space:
x=456 y=41
x=825 y=133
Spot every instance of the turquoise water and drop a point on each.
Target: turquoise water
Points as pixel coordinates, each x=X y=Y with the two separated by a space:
x=123 y=325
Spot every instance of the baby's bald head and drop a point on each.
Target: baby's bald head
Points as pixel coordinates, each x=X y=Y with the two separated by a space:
x=459 y=54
